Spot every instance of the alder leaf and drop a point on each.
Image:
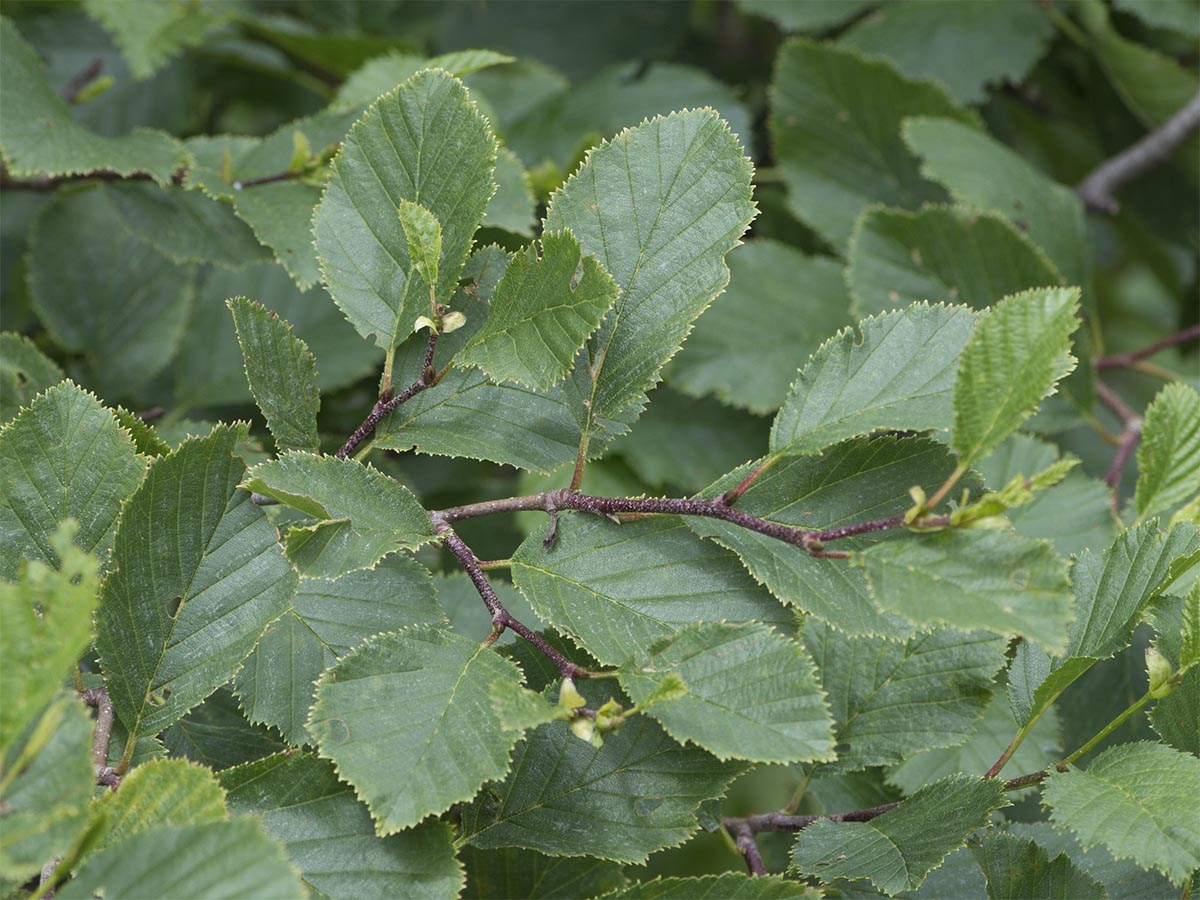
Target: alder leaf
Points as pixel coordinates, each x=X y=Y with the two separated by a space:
x=512 y=872
x=727 y=886
x=25 y=371
x=1169 y=456
x=150 y=33
x=423 y=235
x=1019 y=867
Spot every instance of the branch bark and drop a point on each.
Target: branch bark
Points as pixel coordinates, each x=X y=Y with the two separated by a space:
x=102 y=736
x=1125 y=360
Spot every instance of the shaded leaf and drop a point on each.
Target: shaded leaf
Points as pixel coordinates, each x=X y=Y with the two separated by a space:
x=24 y=373
x=216 y=734
x=1018 y=868
x=513 y=206
x=512 y=872
x=384 y=72
x=729 y=886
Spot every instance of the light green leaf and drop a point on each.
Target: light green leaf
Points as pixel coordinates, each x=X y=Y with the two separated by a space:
x=966 y=45
x=362 y=514
x=519 y=708
x=1020 y=348
x=512 y=872
x=206 y=862
x=63 y=457
x=981 y=172
x=996 y=580
x=750 y=692
x=159 y=794
x=728 y=886
x=198 y=576
x=24 y=373
x=544 y=309
x=39 y=136
x=381 y=74
x=835 y=128
x=45 y=626
x=617 y=588
x=890 y=700
x=104 y=294
x=329 y=836
x=1169 y=455
x=327 y=619
x=513 y=206
x=895 y=371
x=46 y=781
x=899 y=848
x=1017 y=868
x=950 y=254
x=423 y=234
x=149 y=33
x=1134 y=799
x=425 y=142
x=426 y=754
x=746 y=347
x=659 y=206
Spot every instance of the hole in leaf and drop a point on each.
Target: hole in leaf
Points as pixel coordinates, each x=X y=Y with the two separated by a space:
x=174 y=605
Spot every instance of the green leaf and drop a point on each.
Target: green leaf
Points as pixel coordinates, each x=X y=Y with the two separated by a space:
x=282 y=375
x=1175 y=15
x=382 y=73
x=996 y=580
x=1133 y=798
x=362 y=514
x=895 y=371
x=659 y=206
x=981 y=172
x=424 y=142
x=1018 y=868
x=1020 y=348
x=45 y=626
x=329 y=836
x=835 y=128
x=423 y=234
x=150 y=33
x=852 y=482
x=519 y=709
x=728 y=886
x=513 y=206
x=617 y=588
x=899 y=848
x=161 y=793
x=805 y=15
x=39 y=136
x=216 y=734
x=949 y=254
x=1169 y=455
x=327 y=619
x=198 y=576
x=210 y=861
x=24 y=373
x=746 y=347
x=966 y=45
x=751 y=693
x=106 y=295
x=544 y=309
x=511 y=872
x=890 y=700
x=426 y=754
x=642 y=785
x=64 y=456
x=46 y=781
x=1176 y=717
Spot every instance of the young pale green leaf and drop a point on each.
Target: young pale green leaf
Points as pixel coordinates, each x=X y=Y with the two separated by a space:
x=747 y=346
x=64 y=456
x=544 y=309
x=618 y=588
x=899 y=848
x=39 y=136
x=327 y=619
x=895 y=371
x=981 y=172
x=159 y=794
x=198 y=575
x=45 y=626
x=835 y=128
x=727 y=886
x=214 y=859
x=750 y=692
x=1169 y=455
x=1136 y=799
x=1020 y=348
x=1017 y=867
x=642 y=785
x=995 y=580
x=512 y=872
x=362 y=514
x=46 y=781
x=328 y=834
x=24 y=373
x=425 y=142
x=413 y=759
x=513 y=206
x=890 y=700
x=520 y=709
x=950 y=254
x=423 y=235
x=282 y=375
x=852 y=482
x=659 y=206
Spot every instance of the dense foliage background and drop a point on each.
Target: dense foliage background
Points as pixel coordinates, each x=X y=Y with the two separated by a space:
x=161 y=158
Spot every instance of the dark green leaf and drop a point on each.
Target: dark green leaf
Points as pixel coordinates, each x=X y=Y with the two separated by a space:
x=511 y=872
x=730 y=886
x=24 y=373
x=1019 y=869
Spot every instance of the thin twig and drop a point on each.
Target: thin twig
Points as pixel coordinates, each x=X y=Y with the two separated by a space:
x=1127 y=360
x=102 y=736
x=1113 y=401
x=71 y=91
x=747 y=844
x=289 y=175
x=1129 y=440
x=1098 y=189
